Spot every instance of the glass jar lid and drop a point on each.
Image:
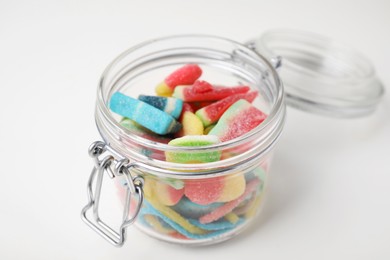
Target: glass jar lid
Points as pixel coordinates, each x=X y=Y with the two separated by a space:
x=320 y=75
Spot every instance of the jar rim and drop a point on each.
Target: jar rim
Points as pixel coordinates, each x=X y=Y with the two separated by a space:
x=276 y=111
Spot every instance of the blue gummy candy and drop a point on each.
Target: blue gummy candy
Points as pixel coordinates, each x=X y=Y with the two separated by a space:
x=172 y=106
x=144 y=114
x=216 y=228
x=189 y=209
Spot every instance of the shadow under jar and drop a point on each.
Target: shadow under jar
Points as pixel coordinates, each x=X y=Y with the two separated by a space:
x=237 y=179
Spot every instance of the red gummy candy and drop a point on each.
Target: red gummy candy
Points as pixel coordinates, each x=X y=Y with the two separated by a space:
x=229 y=206
x=204 y=191
x=216 y=93
x=201 y=86
x=185 y=75
x=243 y=123
x=210 y=114
x=238 y=119
x=167 y=194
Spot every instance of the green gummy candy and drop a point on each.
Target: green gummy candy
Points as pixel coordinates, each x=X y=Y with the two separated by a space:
x=194 y=156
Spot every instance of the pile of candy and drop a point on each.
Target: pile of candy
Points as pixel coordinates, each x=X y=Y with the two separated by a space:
x=190 y=112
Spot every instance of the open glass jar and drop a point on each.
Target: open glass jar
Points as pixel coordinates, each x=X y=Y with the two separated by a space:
x=238 y=179
x=172 y=201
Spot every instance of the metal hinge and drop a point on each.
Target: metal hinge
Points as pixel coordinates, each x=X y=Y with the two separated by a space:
x=107 y=161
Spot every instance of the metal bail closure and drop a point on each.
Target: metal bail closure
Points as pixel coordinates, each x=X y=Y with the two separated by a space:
x=104 y=157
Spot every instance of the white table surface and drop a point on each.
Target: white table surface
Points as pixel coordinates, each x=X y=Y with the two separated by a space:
x=329 y=196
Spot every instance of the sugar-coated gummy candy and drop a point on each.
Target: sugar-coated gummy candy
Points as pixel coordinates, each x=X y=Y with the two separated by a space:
x=192 y=210
x=144 y=114
x=201 y=86
x=239 y=119
x=188 y=94
x=204 y=191
x=193 y=157
x=170 y=214
x=166 y=194
x=232 y=217
x=211 y=113
x=231 y=205
x=185 y=75
x=233 y=187
x=190 y=228
x=191 y=125
x=217 y=189
x=157 y=225
x=172 y=106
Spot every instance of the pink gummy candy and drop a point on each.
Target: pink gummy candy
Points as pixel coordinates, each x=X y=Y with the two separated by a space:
x=211 y=114
x=201 y=86
x=204 y=191
x=216 y=93
x=239 y=119
x=229 y=206
x=167 y=194
x=185 y=75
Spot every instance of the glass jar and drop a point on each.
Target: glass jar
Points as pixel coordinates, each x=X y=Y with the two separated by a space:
x=194 y=203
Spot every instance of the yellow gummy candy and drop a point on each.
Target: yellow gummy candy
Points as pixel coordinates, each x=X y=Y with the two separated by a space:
x=176 y=217
x=155 y=223
x=163 y=90
x=253 y=207
x=191 y=125
x=233 y=188
x=232 y=218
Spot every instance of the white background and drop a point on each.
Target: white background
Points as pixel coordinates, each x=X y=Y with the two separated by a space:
x=329 y=196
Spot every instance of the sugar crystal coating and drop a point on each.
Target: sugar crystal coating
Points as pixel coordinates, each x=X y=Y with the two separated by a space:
x=238 y=120
x=190 y=94
x=185 y=75
x=191 y=125
x=193 y=157
x=211 y=113
x=144 y=114
x=172 y=106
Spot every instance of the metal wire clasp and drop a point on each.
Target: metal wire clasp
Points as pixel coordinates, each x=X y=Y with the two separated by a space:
x=104 y=157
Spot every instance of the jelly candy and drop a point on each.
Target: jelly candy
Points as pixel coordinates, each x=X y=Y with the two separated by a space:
x=229 y=206
x=233 y=187
x=216 y=189
x=240 y=118
x=166 y=194
x=189 y=209
x=193 y=157
x=201 y=86
x=172 y=106
x=188 y=94
x=191 y=125
x=204 y=191
x=144 y=114
x=211 y=114
x=185 y=75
